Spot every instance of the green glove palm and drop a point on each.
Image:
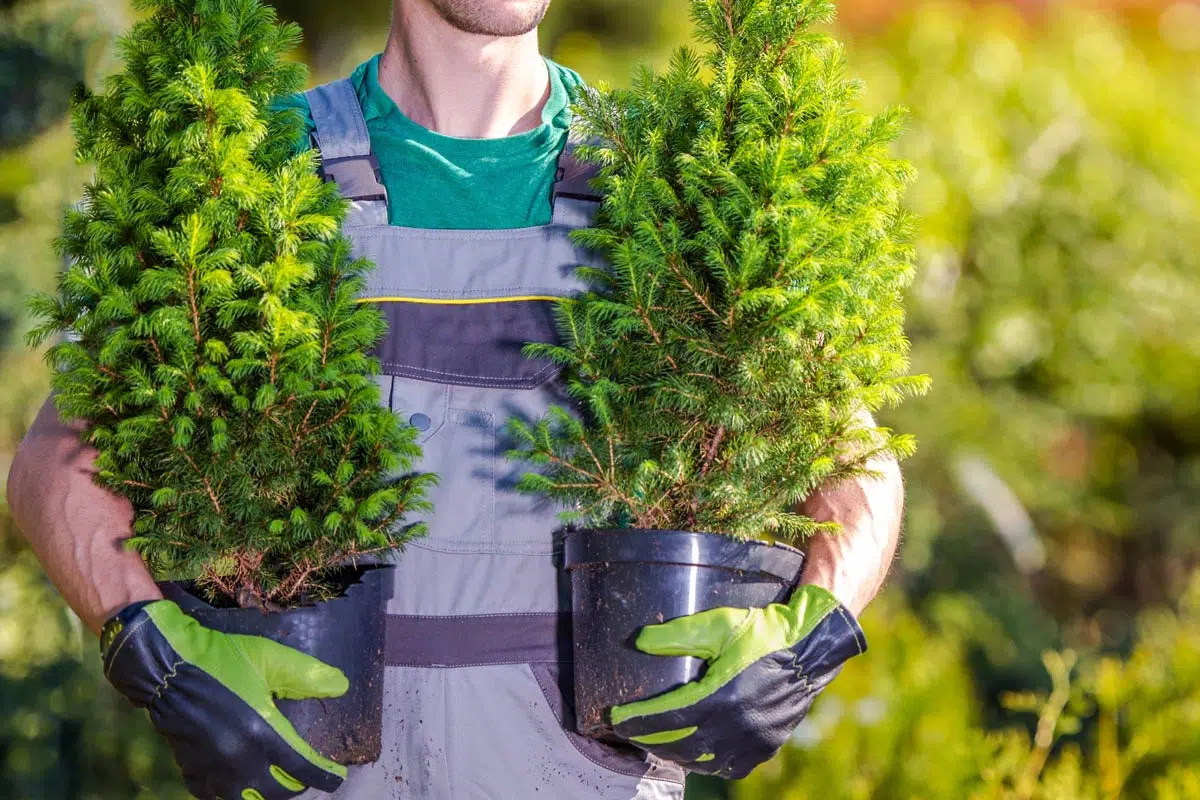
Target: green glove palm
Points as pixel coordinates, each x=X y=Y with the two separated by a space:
x=765 y=667
x=211 y=695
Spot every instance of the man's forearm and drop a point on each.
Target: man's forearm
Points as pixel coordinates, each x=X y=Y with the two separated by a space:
x=853 y=563
x=75 y=527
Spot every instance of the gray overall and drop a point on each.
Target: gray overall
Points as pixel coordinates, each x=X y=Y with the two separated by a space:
x=478 y=643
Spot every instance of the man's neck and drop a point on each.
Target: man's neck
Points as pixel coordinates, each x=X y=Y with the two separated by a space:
x=462 y=84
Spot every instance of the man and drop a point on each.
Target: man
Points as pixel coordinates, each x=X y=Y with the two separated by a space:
x=462 y=127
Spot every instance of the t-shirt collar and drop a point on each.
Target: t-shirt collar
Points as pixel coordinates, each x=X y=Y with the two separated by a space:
x=378 y=104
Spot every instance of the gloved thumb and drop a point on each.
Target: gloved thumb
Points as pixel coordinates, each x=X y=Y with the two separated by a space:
x=702 y=635
x=291 y=674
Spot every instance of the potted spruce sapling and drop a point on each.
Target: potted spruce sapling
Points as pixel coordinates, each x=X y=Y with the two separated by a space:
x=722 y=362
x=213 y=346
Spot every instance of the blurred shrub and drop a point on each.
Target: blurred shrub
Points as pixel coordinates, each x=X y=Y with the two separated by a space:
x=897 y=723
x=1057 y=488
x=64 y=733
x=45 y=48
x=900 y=724
x=1054 y=307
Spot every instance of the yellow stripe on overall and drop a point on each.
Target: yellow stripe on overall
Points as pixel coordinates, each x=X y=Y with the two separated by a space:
x=459 y=301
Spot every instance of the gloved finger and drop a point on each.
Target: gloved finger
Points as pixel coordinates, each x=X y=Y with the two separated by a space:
x=285 y=779
x=306 y=768
x=702 y=635
x=678 y=708
x=291 y=674
x=683 y=745
x=268 y=788
x=269 y=782
x=710 y=764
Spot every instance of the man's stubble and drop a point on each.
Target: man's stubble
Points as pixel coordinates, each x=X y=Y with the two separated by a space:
x=492 y=17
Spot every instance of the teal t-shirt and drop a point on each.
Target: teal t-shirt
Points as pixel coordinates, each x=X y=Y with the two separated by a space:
x=436 y=181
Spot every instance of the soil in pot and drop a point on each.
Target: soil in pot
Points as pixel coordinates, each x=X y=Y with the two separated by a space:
x=622 y=580
x=347 y=632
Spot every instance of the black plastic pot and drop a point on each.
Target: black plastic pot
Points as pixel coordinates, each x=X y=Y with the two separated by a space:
x=622 y=580
x=347 y=632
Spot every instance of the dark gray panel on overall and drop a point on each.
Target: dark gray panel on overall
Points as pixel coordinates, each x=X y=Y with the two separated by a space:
x=475 y=344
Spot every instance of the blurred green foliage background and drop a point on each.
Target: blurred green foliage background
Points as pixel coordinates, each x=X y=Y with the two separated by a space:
x=1040 y=636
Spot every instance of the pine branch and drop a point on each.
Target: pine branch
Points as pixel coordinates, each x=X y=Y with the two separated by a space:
x=206 y=295
x=753 y=223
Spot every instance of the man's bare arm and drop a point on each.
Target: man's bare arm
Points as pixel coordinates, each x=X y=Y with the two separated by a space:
x=75 y=527
x=853 y=563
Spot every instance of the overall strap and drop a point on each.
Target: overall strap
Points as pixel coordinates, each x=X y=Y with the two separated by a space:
x=346 y=157
x=575 y=202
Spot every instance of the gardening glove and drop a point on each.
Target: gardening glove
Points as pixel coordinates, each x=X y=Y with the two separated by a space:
x=765 y=667
x=210 y=695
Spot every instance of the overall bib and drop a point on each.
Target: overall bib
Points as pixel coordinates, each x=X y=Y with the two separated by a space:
x=477 y=689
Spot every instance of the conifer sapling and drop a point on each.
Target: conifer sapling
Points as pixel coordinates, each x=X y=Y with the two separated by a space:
x=214 y=346
x=751 y=310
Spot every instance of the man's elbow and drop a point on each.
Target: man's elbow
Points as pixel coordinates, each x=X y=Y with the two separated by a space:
x=20 y=479
x=30 y=473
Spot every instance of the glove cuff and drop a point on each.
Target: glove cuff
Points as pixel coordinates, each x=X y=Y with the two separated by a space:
x=852 y=629
x=819 y=657
x=137 y=657
x=117 y=623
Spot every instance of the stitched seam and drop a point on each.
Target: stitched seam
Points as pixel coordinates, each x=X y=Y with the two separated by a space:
x=857 y=640
x=498 y=234
x=798 y=671
x=473 y=294
x=237 y=645
x=166 y=679
x=518 y=547
x=414 y=665
x=351 y=105
x=573 y=217
x=432 y=371
x=461 y=416
x=434 y=376
x=479 y=616
x=422 y=665
x=630 y=771
x=336 y=96
x=482 y=383
x=124 y=638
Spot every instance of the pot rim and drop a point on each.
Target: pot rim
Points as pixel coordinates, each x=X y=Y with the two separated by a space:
x=597 y=546
x=183 y=594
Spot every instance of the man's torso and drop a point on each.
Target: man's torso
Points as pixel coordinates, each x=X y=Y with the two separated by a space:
x=477 y=247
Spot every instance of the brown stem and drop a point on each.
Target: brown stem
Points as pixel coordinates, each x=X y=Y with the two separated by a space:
x=191 y=277
x=298 y=437
x=654 y=332
x=598 y=481
x=212 y=495
x=711 y=452
x=675 y=268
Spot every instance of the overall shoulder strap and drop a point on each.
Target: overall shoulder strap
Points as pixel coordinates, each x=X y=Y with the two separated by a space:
x=346 y=157
x=575 y=201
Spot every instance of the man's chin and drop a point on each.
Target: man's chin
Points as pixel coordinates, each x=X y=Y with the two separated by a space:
x=501 y=18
